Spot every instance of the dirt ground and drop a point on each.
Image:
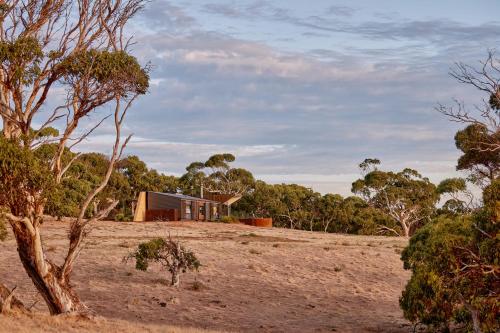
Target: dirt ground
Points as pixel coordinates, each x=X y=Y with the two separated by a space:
x=251 y=280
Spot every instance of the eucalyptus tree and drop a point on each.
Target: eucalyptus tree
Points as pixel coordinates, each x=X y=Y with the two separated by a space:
x=48 y=46
x=459 y=199
x=454 y=259
x=405 y=196
x=216 y=174
x=479 y=141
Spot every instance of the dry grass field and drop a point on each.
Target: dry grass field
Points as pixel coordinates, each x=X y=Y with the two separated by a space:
x=252 y=280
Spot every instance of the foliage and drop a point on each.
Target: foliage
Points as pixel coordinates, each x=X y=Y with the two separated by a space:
x=23 y=57
x=298 y=207
x=406 y=196
x=482 y=163
x=23 y=177
x=216 y=175
x=169 y=254
x=117 y=70
x=130 y=177
x=455 y=259
x=3 y=230
x=455 y=273
x=229 y=219
x=459 y=200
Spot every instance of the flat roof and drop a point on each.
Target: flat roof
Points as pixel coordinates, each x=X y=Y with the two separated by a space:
x=184 y=197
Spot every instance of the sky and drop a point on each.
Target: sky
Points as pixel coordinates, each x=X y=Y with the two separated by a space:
x=303 y=91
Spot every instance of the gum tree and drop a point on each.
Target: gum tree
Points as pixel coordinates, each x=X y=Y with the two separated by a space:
x=48 y=46
x=405 y=196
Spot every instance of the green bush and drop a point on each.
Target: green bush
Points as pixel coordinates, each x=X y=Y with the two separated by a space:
x=229 y=219
x=3 y=230
x=169 y=254
x=25 y=179
x=455 y=266
x=121 y=217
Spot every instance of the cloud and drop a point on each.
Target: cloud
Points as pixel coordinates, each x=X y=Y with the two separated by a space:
x=439 y=32
x=164 y=16
x=344 y=11
x=308 y=115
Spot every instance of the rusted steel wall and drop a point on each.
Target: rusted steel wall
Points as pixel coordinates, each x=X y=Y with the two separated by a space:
x=162 y=215
x=258 y=222
x=157 y=201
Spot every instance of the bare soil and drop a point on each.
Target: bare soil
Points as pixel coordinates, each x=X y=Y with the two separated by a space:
x=251 y=280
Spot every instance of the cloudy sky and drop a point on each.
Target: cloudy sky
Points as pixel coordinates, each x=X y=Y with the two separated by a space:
x=302 y=91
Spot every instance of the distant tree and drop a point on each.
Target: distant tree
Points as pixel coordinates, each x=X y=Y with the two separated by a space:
x=217 y=175
x=329 y=211
x=298 y=207
x=405 y=196
x=170 y=254
x=133 y=176
x=369 y=165
x=460 y=199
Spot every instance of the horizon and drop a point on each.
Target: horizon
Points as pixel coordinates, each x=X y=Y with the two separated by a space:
x=303 y=93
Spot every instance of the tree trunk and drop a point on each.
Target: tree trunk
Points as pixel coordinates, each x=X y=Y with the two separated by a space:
x=175 y=279
x=406 y=228
x=54 y=288
x=476 y=324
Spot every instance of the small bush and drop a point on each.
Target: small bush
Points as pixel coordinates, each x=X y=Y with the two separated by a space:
x=229 y=219
x=3 y=230
x=169 y=254
x=120 y=217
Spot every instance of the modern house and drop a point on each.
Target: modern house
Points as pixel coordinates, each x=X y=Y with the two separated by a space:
x=156 y=206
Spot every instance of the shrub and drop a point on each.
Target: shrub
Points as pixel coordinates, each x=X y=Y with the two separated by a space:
x=229 y=219
x=169 y=254
x=3 y=230
x=455 y=269
x=120 y=217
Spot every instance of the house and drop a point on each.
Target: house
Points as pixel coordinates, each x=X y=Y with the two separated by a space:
x=156 y=206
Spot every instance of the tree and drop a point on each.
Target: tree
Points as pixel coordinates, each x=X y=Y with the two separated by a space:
x=454 y=259
x=170 y=254
x=482 y=163
x=405 y=196
x=480 y=140
x=460 y=199
x=221 y=177
x=133 y=176
x=80 y=48
x=455 y=270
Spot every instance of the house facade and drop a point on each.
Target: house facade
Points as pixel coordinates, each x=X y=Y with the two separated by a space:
x=156 y=206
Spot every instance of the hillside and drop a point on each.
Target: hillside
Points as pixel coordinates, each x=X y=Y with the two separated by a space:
x=266 y=280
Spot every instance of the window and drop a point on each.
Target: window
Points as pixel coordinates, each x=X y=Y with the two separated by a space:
x=187 y=210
